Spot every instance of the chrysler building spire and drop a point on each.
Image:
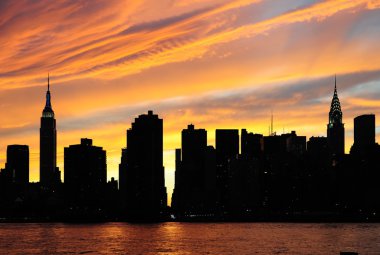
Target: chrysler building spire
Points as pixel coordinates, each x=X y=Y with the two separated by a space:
x=335 y=127
x=335 y=114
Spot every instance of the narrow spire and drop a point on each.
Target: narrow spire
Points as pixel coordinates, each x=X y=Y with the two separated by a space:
x=335 y=114
x=48 y=99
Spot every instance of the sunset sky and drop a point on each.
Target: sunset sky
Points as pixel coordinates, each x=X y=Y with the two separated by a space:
x=213 y=63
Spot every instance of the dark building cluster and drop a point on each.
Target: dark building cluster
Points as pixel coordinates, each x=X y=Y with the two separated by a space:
x=246 y=176
x=279 y=177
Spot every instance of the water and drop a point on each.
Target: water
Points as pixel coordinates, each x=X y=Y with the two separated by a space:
x=188 y=238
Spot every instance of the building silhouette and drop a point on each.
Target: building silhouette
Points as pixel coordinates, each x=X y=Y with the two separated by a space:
x=252 y=145
x=274 y=144
x=85 y=174
x=364 y=132
x=227 y=149
x=49 y=173
x=317 y=146
x=17 y=167
x=144 y=180
x=122 y=179
x=335 y=127
x=195 y=187
x=243 y=190
x=319 y=178
x=295 y=144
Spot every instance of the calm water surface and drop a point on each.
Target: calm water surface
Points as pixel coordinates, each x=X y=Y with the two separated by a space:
x=189 y=238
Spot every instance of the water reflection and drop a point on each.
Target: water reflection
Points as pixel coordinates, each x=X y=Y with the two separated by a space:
x=189 y=238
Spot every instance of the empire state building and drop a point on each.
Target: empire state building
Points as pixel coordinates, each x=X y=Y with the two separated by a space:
x=49 y=173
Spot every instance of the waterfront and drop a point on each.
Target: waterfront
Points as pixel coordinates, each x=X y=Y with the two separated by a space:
x=189 y=238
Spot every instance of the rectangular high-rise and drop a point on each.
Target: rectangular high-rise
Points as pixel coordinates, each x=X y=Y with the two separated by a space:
x=195 y=174
x=85 y=172
x=226 y=145
x=364 y=130
x=227 y=149
x=17 y=166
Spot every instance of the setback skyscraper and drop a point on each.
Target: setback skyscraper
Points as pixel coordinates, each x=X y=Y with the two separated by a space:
x=144 y=180
x=335 y=127
x=49 y=173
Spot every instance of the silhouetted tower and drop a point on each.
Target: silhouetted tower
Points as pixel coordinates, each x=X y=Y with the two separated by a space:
x=17 y=166
x=49 y=173
x=146 y=196
x=195 y=174
x=227 y=149
x=335 y=127
x=364 y=130
x=252 y=145
x=226 y=144
x=85 y=174
x=122 y=178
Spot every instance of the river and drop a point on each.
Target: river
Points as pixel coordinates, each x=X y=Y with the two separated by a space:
x=189 y=238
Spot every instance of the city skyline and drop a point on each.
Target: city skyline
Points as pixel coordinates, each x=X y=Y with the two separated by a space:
x=228 y=137
x=273 y=176
x=101 y=105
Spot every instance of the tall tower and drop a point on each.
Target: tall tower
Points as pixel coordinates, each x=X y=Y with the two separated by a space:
x=144 y=177
x=335 y=127
x=364 y=133
x=49 y=173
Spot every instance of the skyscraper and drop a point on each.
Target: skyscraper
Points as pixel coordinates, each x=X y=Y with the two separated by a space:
x=335 y=127
x=144 y=181
x=49 y=173
x=227 y=149
x=226 y=144
x=85 y=173
x=195 y=190
x=364 y=130
x=252 y=145
x=17 y=166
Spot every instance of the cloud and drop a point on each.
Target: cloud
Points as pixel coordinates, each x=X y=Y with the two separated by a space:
x=128 y=48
